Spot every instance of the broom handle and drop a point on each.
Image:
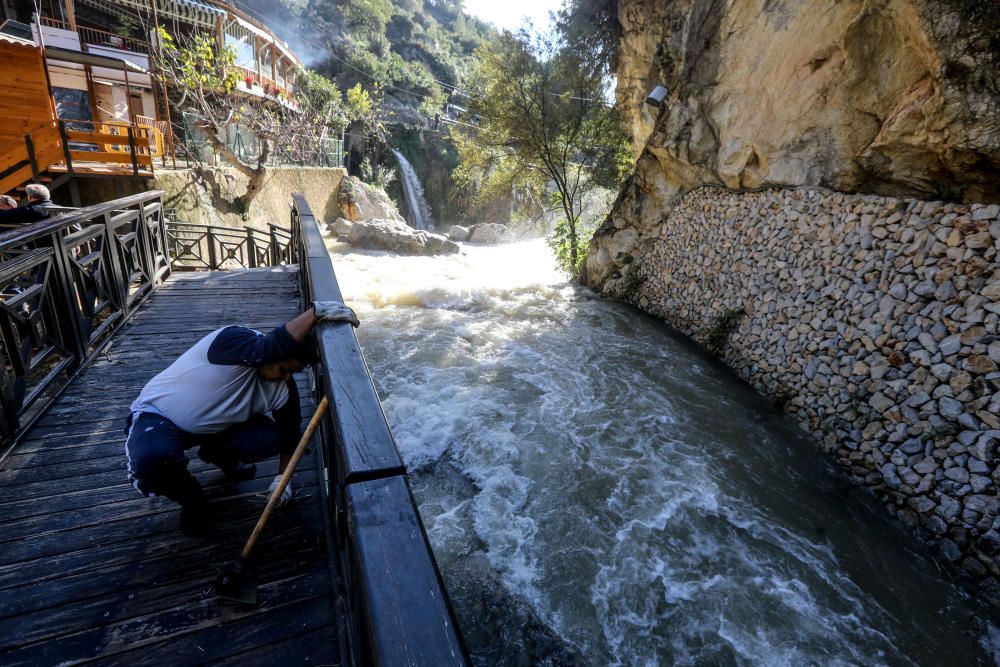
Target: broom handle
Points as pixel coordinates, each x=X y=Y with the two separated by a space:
x=286 y=477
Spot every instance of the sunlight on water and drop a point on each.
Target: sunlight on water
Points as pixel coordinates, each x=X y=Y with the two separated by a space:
x=624 y=489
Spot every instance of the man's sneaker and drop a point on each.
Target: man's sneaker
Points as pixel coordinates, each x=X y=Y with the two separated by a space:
x=196 y=520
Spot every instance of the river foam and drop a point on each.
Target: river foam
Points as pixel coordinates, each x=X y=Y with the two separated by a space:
x=644 y=504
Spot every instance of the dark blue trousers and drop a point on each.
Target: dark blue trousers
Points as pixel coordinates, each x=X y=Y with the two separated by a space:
x=157 y=464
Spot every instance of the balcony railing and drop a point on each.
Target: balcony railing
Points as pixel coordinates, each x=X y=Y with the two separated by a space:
x=99 y=37
x=104 y=38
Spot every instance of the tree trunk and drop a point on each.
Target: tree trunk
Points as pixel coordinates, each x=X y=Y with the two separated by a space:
x=256 y=175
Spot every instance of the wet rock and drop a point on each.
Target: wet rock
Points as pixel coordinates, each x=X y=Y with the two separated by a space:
x=989 y=543
x=360 y=202
x=956 y=474
x=458 y=233
x=948 y=508
x=516 y=635
x=949 y=551
x=393 y=235
x=949 y=407
x=489 y=233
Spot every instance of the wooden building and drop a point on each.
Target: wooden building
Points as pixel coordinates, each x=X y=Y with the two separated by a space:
x=85 y=102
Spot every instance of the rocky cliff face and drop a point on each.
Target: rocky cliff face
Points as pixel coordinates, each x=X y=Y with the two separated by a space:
x=896 y=97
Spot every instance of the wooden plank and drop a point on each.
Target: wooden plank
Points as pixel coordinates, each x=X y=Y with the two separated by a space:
x=16 y=178
x=14 y=155
x=234 y=521
x=90 y=569
x=166 y=583
x=68 y=501
x=83 y=136
x=108 y=157
x=196 y=614
x=304 y=649
x=141 y=519
x=402 y=597
x=296 y=538
x=243 y=636
x=26 y=484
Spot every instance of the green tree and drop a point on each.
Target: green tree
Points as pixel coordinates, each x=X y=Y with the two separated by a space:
x=543 y=124
x=205 y=84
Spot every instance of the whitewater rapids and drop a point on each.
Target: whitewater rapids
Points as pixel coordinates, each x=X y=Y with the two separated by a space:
x=643 y=503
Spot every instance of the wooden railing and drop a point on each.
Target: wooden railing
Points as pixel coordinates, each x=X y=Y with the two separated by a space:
x=69 y=146
x=22 y=160
x=398 y=609
x=99 y=37
x=110 y=143
x=114 y=40
x=66 y=284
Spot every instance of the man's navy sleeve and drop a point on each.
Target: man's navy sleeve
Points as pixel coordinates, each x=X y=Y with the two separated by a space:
x=239 y=346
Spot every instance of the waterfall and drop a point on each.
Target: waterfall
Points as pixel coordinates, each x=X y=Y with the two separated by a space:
x=420 y=212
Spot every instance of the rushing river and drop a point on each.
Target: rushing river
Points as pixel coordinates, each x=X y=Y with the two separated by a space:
x=598 y=491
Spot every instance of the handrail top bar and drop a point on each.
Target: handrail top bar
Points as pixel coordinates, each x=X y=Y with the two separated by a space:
x=34 y=230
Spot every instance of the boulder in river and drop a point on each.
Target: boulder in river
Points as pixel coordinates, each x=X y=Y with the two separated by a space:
x=393 y=235
x=359 y=201
x=458 y=233
x=489 y=233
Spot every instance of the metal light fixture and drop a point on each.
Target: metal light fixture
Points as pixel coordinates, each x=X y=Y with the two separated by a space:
x=657 y=96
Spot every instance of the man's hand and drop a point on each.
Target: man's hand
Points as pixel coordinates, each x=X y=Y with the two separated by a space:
x=335 y=311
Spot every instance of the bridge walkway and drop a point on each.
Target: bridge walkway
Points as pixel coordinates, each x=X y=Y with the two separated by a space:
x=90 y=571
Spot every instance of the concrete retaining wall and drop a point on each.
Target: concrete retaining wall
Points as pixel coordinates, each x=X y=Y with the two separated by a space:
x=205 y=202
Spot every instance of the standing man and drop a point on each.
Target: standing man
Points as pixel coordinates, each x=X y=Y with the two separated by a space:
x=232 y=395
x=36 y=209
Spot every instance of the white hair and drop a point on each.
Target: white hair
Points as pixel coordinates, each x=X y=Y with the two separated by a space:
x=36 y=191
x=10 y=201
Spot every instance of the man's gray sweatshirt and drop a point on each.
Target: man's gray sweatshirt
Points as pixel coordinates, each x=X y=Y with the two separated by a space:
x=215 y=383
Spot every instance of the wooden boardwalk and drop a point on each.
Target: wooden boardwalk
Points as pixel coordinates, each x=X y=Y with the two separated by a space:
x=90 y=571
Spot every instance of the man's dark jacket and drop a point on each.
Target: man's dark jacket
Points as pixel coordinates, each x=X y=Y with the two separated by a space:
x=33 y=212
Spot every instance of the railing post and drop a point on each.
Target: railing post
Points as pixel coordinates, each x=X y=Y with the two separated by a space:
x=146 y=246
x=114 y=248
x=251 y=249
x=68 y=312
x=30 y=145
x=65 y=143
x=213 y=264
x=131 y=149
x=164 y=240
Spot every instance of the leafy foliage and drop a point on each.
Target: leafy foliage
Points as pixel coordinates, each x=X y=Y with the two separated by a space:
x=543 y=125
x=415 y=50
x=722 y=328
x=591 y=29
x=205 y=84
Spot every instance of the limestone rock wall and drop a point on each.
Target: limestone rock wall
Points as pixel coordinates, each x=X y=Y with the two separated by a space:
x=895 y=97
x=873 y=319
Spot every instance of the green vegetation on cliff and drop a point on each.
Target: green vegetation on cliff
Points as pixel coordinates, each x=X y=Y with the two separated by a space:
x=415 y=51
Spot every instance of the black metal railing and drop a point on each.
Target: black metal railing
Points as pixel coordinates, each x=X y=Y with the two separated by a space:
x=398 y=609
x=66 y=283
x=197 y=247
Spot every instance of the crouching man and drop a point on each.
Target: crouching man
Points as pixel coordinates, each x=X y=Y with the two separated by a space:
x=231 y=395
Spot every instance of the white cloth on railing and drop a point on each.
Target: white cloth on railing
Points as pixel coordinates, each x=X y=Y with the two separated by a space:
x=335 y=311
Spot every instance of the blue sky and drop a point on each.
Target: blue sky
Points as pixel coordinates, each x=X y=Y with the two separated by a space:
x=510 y=13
